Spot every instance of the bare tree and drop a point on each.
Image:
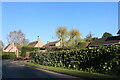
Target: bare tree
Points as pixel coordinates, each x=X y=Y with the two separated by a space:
x=17 y=37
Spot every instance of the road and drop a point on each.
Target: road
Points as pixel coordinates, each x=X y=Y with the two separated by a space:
x=12 y=70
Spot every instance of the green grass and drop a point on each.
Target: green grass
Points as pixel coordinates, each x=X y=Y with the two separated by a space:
x=74 y=72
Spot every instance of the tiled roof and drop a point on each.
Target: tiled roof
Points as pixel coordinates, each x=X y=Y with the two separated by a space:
x=118 y=32
x=17 y=45
x=113 y=38
x=6 y=46
x=104 y=41
x=33 y=43
x=50 y=44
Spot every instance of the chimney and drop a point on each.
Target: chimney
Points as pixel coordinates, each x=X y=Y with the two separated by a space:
x=38 y=38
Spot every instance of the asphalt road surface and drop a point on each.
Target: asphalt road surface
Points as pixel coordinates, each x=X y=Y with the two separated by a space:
x=12 y=70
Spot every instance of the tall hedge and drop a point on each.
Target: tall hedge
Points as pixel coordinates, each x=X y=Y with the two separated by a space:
x=24 y=49
x=104 y=59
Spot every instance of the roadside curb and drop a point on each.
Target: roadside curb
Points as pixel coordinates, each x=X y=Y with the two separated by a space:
x=66 y=73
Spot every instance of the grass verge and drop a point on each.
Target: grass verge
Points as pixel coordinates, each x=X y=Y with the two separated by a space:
x=73 y=72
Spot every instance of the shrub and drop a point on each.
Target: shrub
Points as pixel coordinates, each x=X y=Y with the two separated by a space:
x=8 y=55
x=103 y=59
x=51 y=49
x=24 y=49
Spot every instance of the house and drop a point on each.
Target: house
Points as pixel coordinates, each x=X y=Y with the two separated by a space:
x=37 y=43
x=106 y=41
x=118 y=33
x=53 y=44
x=12 y=48
x=103 y=41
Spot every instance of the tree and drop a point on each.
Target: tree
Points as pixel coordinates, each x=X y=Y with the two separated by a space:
x=74 y=37
x=17 y=37
x=81 y=44
x=94 y=38
x=1 y=46
x=89 y=37
x=106 y=35
x=61 y=33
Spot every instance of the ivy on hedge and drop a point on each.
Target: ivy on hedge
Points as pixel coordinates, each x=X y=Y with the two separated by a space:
x=25 y=49
x=104 y=59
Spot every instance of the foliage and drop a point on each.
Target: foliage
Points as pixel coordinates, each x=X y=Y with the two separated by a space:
x=74 y=72
x=94 y=38
x=61 y=33
x=68 y=38
x=17 y=37
x=89 y=37
x=8 y=55
x=106 y=35
x=1 y=46
x=74 y=37
x=81 y=45
x=25 y=49
x=51 y=49
x=104 y=59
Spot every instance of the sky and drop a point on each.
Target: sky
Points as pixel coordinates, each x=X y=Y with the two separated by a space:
x=42 y=18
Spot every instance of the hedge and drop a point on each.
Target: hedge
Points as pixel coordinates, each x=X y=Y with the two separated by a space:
x=55 y=48
x=104 y=59
x=24 y=49
x=8 y=55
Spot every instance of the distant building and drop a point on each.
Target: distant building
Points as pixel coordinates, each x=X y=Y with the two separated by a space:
x=53 y=44
x=104 y=41
x=118 y=33
x=12 y=48
x=36 y=44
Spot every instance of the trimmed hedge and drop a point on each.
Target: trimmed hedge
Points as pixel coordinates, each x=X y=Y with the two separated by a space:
x=8 y=55
x=104 y=59
x=24 y=49
x=55 y=48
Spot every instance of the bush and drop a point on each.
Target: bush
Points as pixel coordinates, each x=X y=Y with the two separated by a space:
x=8 y=55
x=51 y=49
x=104 y=59
x=24 y=49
